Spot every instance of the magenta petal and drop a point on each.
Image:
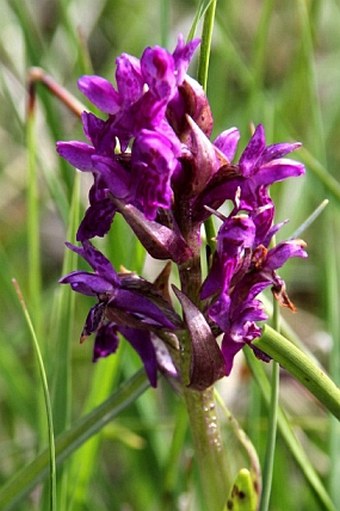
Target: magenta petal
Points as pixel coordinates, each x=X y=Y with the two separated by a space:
x=100 y=92
x=278 y=255
x=137 y=304
x=214 y=282
x=129 y=78
x=77 y=154
x=182 y=56
x=253 y=151
x=158 y=68
x=114 y=175
x=153 y=163
x=93 y=126
x=227 y=142
x=278 y=170
x=230 y=348
x=275 y=151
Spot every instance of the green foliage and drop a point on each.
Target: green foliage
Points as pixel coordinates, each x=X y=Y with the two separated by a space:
x=271 y=62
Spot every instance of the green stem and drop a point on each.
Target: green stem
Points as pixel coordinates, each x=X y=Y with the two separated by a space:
x=208 y=447
x=301 y=367
x=33 y=239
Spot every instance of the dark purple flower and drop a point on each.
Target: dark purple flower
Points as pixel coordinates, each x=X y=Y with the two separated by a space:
x=126 y=305
x=136 y=113
x=153 y=162
x=242 y=268
x=246 y=183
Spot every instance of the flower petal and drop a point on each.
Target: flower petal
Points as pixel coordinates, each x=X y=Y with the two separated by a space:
x=97 y=220
x=137 y=304
x=93 y=320
x=100 y=92
x=114 y=175
x=158 y=67
x=227 y=142
x=106 y=341
x=275 y=151
x=141 y=342
x=182 y=56
x=153 y=163
x=78 y=154
x=278 y=255
x=87 y=283
x=97 y=261
x=278 y=170
x=253 y=151
x=129 y=79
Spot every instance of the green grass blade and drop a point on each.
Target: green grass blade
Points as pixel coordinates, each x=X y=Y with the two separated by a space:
x=289 y=436
x=47 y=402
x=164 y=14
x=202 y=8
x=33 y=235
x=207 y=31
x=325 y=178
x=62 y=338
x=332 y=287
x=83 y=466
x=268 y=467
x=261 y=46
x=72 y=439
x=271 y=439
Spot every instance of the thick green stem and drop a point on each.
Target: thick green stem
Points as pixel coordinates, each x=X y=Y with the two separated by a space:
x=209 y=452
x=299 y=365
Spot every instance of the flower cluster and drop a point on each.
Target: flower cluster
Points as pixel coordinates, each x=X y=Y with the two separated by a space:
x=153 y=161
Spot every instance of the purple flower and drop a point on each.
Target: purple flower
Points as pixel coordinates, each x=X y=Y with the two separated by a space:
x=136 y=113
x=126 y=304
x=153 y=162
x=242 y=268
x=246 y=183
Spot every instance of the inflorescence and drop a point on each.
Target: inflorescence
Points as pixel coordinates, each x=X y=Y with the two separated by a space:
x=153 y=162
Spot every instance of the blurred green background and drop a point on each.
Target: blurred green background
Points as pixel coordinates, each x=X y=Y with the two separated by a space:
x=277 y=63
